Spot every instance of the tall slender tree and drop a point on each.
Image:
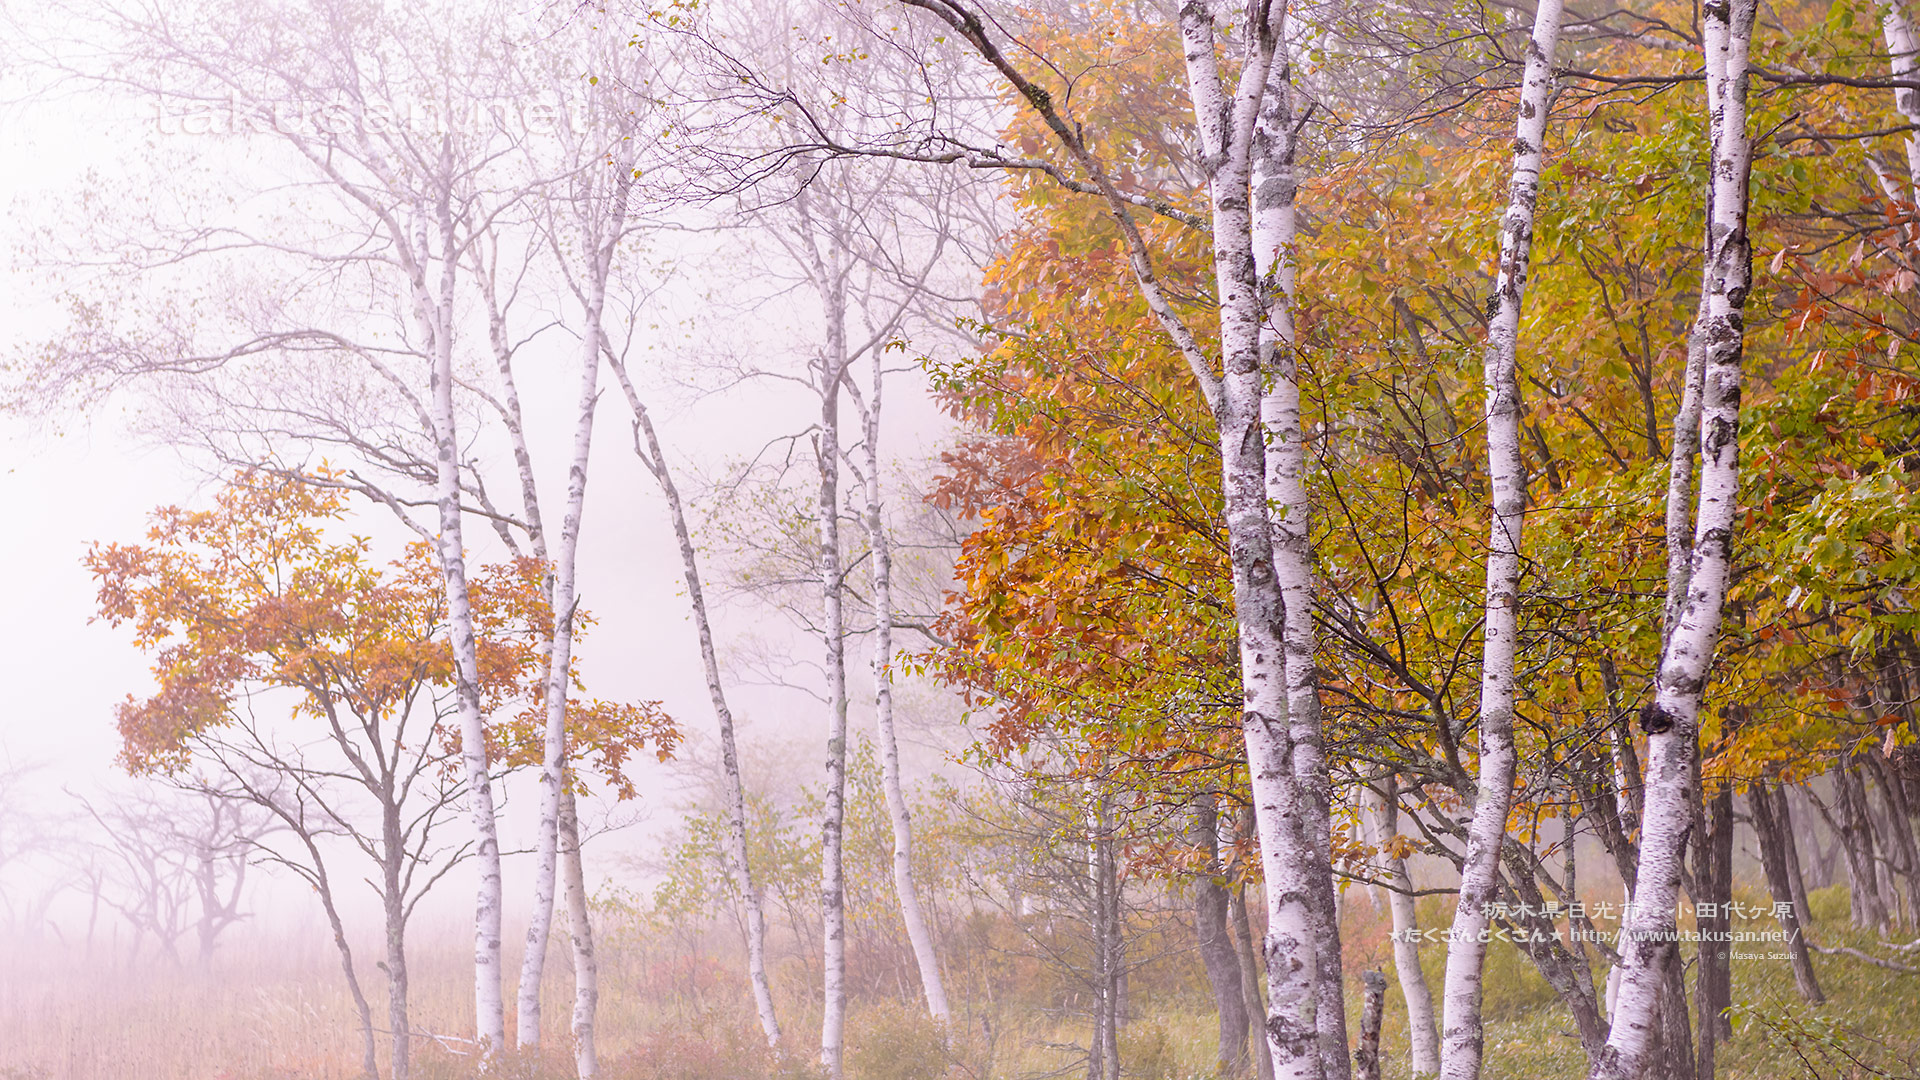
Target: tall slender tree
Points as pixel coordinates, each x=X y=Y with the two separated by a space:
x=1463 y=1035
x=1670 y=720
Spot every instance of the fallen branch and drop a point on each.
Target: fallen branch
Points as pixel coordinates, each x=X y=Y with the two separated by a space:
x=1868 y=957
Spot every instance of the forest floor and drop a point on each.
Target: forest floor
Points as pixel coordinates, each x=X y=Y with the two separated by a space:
x=278 y=1011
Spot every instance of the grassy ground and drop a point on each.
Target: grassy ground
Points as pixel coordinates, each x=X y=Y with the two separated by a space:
x=274 y=1011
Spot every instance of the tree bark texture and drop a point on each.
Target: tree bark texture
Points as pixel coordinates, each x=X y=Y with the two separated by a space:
x=1366 y=1056
x=563 y=597
x=586 y=966
x=833 y=895
x=1670 y=720
x=1275 y=179
x=1250 y=983
x=1282 y=810
x=434 y=307
x=1713 y=981
x=1463 y=1033
x=1423 y=1056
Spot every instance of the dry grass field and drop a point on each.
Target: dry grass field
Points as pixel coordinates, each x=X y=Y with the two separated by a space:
x=275 y=1009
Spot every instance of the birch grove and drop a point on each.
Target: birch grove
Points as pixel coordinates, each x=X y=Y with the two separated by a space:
x=1123 y=509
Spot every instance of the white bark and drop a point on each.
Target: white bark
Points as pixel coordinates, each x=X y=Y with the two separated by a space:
x=833 y=894
x=1298 y=896
x=1422 y=1035
x=831 y=368
x=647 y=447
x=1670 y=720
x=434 y=314
x=1903 y=50
x=604 y=182
x=1679 y=513
x=563 y=597
x=1282 y=809
x=586 y=967
x=1276 y=186
x=880 y=555
x=1463 y=1037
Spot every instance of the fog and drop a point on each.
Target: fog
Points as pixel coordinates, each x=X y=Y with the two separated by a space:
x=952 y=540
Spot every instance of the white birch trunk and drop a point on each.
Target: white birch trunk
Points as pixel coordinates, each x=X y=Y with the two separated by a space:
x=833 y=894
x=1670 y=720
x=1463 y=1037
x=734 y=786
x=1903 y=50
x=1276 y=186
x=880 y=553
x=586 y=967
x=1423 y=1036
x=603 y=224
x=435 y=317
x=1298 y=896
x=563 y=594
x=1281 y=809
x=1679 y=515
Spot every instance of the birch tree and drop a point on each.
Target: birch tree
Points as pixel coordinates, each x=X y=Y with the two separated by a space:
x=1670 y=719
x=647 y=447
x=1463 y=1032
x=1422 y=1033
x=584 y=221
x=880 y=561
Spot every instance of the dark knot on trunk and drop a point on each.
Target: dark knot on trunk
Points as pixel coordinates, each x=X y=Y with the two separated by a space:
x=1656 y=720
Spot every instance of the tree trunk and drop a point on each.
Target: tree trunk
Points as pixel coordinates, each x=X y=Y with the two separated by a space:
x=1855 y=831
x=1676 y=1035
x=1670 y=720
x=586 y=963
x=1713 y=992
x=1099 y=932
x=1898 y=829
x=399 y=1025
x=647 y=448
x=1904 y=57
x=1215 y=941
x=1366 y=1057
x=1275 y=189
x=369 y=1052
x=437 y=317
x=1250 y=983
x=880 y=547
x=1283 y=812
x=1767 y=829
x=1790 y=847
x=1423 y=1038
x=833 y=909
x=1463 y=1036
x=563 y=597
x=1113 y=946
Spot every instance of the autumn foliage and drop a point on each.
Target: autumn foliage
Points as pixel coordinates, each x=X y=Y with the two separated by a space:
x=267 y=591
